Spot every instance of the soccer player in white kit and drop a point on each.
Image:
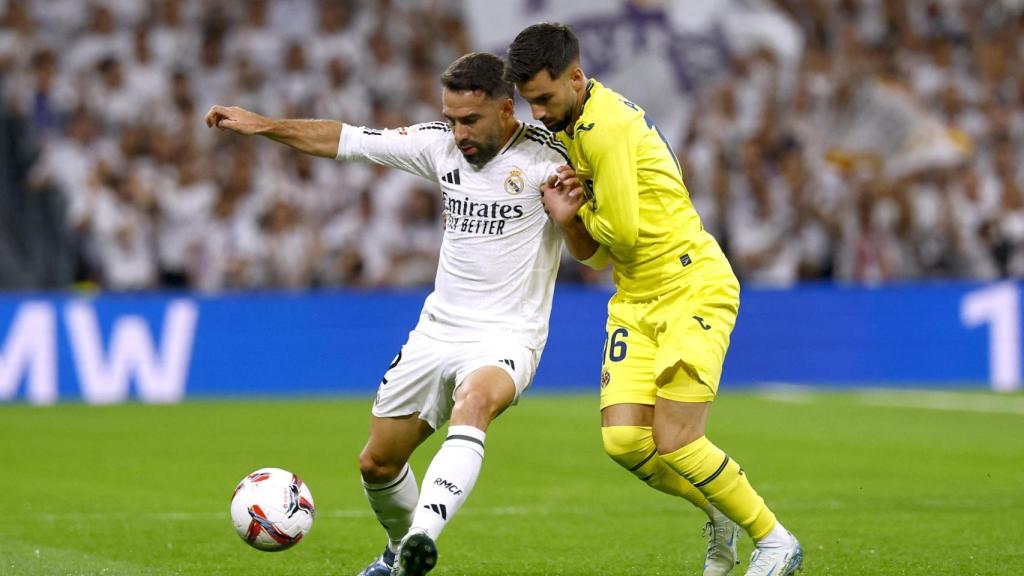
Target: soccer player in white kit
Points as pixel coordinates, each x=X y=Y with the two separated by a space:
x=482 y=330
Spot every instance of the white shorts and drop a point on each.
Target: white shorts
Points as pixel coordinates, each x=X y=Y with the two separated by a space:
x=426 y=372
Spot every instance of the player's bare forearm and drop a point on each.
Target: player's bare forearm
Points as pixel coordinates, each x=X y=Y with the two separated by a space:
x=315 y=137
x=578 y=240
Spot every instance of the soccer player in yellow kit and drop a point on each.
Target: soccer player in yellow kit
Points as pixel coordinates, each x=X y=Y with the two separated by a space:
x=669 y=322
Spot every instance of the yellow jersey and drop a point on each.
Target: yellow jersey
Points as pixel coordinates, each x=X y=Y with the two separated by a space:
x=637 y=206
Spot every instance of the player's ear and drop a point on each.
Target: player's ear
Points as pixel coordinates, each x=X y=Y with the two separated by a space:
x=507 y=108
x=576 y=77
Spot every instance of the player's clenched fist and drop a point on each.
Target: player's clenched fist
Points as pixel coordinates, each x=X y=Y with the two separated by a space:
x=237 y=119
x=562 y=195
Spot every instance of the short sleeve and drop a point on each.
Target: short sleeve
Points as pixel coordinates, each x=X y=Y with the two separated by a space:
x=414 y=149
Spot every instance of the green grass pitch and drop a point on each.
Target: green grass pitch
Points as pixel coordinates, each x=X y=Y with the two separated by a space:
x=913 y=483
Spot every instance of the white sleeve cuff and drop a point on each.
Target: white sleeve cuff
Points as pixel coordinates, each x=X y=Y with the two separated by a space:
x=346 y=141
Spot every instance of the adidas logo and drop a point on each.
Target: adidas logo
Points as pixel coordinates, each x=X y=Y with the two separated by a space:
x=439 y=509
x=452 y=177
x=508 y=363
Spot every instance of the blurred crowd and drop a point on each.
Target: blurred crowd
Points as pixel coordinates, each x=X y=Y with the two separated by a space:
x=115 y=92
x=889 y=148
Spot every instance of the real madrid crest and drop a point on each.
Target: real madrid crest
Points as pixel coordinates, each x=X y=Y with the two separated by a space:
x=515 y=183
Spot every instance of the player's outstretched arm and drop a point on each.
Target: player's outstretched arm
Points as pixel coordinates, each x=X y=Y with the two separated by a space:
x=316 y=137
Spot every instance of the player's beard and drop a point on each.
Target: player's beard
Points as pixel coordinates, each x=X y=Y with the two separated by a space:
x=560 y=124
x=485 y=151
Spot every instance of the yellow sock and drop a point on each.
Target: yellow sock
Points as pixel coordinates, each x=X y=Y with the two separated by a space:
x=724 y=483
x=632 y=447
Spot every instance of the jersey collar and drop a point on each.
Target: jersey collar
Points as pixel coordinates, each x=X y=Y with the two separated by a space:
x=586 y=98
x=512 y=140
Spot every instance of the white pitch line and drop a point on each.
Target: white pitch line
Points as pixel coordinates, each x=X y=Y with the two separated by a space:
x=922 y=399
x=790 y=397
x=945 y=401
x=787 y=393
x=192 y=516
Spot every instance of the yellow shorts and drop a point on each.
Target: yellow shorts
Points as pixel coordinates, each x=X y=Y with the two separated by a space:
x=672 y=346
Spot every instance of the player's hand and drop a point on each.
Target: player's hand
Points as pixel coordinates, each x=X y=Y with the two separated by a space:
x=237 y=119
x=567 y=177
x=562 y=195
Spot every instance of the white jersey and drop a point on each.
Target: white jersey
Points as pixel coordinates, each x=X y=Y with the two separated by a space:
x=500 y=251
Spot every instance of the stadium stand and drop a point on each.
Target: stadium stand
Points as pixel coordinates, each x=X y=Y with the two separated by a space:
x=890 y=149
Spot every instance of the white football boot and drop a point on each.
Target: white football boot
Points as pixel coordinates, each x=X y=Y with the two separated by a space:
x=722 y=535
x=776 y=561
x=417 y=555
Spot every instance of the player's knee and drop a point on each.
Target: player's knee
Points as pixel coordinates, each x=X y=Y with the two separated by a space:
x=376 y=469
x=629 y=446
x=475 y=403
x=477 y=408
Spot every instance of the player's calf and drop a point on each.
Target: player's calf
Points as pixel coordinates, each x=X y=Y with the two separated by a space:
x=633 y=448
x=393 y=502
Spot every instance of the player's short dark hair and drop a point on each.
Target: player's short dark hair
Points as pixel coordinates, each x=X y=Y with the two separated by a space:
x=548 y=46
x=478 y=71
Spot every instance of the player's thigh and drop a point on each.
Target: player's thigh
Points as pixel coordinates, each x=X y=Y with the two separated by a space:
x=627 y=415
x=697 y=321
x=415 y=382
x=518 y=362
x=627 y=368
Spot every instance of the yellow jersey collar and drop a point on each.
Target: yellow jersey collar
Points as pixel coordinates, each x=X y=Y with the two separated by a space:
x=591 y=83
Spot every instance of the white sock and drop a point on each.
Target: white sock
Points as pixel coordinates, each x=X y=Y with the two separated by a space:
x=449 y=479
x=394 y=502
x=779 y=537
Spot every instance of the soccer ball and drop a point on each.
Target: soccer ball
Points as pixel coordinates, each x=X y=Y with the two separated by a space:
x=272 y=509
